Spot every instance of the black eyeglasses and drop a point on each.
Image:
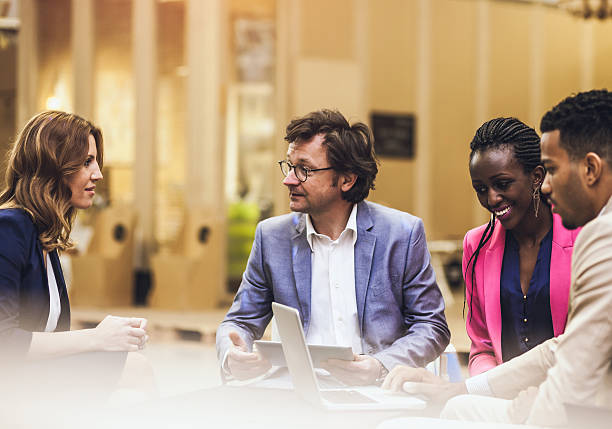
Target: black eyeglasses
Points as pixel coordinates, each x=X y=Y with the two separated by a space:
x=302 y=173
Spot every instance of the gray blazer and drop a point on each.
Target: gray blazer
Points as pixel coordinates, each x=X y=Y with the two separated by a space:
x=574 y=367
x=399 y=304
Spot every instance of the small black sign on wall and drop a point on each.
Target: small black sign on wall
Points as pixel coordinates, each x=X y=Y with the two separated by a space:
x=393 y=134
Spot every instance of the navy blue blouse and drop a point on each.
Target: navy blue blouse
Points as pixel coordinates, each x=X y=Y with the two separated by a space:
x=526 y=319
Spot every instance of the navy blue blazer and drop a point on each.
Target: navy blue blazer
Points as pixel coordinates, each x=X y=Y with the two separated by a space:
x=400 y=308
x=24 y=291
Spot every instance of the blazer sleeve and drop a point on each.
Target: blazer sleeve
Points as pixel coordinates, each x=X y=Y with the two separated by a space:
x=423 y=309
x=584 y=351
x=14 y=341
x=251 y=310
x=482 y=356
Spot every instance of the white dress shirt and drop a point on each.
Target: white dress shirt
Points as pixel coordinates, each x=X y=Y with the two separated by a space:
x=333 y=303
x=55 y=307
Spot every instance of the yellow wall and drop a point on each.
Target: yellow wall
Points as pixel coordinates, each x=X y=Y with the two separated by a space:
x=452 y=63
x=561 y=58
x=326 y=29
x=486 y=59
x=392 y=88
x=326 y=69
x=453 y=90
x=509 y=61
x=602 y=38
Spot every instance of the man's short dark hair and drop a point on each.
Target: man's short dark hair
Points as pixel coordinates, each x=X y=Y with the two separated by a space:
x=584 y=122
x=350 y=148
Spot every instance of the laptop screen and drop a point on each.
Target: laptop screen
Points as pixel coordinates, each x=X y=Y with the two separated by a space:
x=296 y=352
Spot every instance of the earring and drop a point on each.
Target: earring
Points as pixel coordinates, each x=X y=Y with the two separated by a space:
x=536 y=200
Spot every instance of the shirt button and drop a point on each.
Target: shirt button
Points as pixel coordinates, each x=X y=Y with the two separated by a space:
x=525 y=320
x=526 y=339
x=524 y=296
x=337 y=285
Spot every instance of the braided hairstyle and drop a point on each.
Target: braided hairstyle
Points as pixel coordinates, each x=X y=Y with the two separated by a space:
x=502 y=133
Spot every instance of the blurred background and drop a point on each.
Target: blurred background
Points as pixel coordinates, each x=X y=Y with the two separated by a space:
x=193 y=97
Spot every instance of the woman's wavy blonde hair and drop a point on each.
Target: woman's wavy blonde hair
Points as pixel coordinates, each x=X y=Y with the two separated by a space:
x=50 y=148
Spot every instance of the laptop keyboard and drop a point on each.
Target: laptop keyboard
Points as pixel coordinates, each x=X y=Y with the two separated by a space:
x=346 y=397
x=329 y=383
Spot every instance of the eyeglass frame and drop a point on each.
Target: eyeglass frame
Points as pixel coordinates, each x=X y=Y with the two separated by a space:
x=293 y=167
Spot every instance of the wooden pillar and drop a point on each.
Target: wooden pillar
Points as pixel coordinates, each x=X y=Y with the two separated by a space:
x=422 y=180
x=483 y=83
x=587 y=60
x=205 y=147
x=27 y=63
x=205 y=150
x=144 y=36
x=536 y=78
x=360 y=48
x=287 y=45
x=83 y=46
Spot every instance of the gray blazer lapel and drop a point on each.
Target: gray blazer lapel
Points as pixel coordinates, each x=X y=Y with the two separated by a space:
x=364 y=255
x=302 y=269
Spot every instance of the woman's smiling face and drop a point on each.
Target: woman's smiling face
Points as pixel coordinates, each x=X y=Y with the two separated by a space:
x=502 y=186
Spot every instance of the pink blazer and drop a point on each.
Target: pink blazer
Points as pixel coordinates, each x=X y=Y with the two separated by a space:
x=484 y=323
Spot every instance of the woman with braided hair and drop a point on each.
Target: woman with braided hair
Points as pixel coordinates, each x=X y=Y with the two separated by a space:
x=517 y=266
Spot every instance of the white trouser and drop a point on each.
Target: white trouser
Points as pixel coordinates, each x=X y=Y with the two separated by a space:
x=477 y=408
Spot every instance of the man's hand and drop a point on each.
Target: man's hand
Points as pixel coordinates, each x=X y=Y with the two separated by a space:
x=363 y=370
x=243 y=364
x=419 y=381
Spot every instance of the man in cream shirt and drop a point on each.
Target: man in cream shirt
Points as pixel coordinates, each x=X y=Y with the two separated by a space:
x=573 y=368
x=359 y=273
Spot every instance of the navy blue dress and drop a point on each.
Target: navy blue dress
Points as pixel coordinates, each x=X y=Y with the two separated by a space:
x=526 y=319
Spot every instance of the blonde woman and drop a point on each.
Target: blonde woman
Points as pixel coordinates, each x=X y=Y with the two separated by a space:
x=52 y=171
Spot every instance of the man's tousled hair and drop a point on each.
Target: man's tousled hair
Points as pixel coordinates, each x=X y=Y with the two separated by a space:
x=350 y=148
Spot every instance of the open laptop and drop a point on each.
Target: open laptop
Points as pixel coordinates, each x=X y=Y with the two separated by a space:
x=305 y=382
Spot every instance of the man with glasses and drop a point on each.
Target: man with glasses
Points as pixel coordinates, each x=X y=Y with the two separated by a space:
x=358 y=272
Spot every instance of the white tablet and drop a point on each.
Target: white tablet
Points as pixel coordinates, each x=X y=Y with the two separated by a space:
x=273 y=351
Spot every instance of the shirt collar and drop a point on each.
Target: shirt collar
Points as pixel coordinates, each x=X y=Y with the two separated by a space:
x=604 y=208
x=351 y=224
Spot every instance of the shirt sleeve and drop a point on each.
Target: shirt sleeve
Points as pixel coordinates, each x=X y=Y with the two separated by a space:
x=478 y=385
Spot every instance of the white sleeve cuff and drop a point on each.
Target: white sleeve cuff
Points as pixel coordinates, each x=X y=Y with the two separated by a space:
x=478 y=385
